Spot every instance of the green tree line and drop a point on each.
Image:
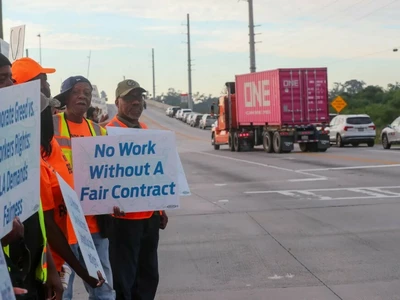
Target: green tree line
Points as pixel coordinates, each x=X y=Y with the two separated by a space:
x=202 y=102
x=381 y=104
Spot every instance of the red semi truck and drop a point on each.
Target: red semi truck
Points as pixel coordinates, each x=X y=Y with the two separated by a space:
x=276 y=109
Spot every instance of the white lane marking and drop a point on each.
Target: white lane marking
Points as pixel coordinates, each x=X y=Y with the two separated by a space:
x=286 y=194
x=367 y=192
x=223 y=201
x=313 y=195
x=275 y=277
x=322 y=190
x=307 y=179
x=220 y=184
x=256 y=163
x=289 y=275
x=384 y=192
x=348 y=168
x=363 y=197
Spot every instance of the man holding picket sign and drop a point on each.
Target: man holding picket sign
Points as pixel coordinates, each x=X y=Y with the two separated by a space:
x=135 y=236
x=76 y=95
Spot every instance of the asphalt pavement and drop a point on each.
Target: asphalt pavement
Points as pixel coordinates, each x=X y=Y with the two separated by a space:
x=280 y=226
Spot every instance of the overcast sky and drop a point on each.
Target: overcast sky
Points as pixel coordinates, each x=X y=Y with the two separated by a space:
x=352 y=38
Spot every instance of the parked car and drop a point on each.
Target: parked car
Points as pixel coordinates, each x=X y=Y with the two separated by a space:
x=390 y=135
x=178 y=111
x=195 y=120
x=206 y=121
x=189 y=117
x=168 y=111
x=179 y=114
x=185 y=116
x=352 y=129
x=174 y=111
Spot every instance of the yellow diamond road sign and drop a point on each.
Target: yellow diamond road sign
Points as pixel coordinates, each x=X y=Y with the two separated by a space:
x=338 y=104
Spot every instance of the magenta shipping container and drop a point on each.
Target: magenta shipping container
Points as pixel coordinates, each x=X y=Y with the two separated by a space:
x=283 y=96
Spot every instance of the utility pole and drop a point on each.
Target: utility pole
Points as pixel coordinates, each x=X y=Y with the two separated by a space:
x=154 y=74
x=1 y=20
x=40 y=47
x=88 y=67
x=190 y=100
x=251 y=38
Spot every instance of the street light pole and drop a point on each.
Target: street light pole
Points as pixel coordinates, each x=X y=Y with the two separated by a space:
x=1 y=20
x=251 y=40
x=40 y=47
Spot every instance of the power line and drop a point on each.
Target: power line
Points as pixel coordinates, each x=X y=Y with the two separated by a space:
x=364 y=55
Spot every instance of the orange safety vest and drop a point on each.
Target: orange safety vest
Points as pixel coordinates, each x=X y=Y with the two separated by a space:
x=63 y=137
x=136 y=215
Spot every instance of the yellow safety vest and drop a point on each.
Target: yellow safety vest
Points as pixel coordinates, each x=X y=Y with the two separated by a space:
x=63 y=136
x=41 y=269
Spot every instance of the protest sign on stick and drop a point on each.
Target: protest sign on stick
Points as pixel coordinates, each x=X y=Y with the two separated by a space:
x=6 y=288
x=135 y=173
x=86 y=244
x=19 y=153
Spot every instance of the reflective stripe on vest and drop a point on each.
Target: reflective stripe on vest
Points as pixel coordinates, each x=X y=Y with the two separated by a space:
x=62 y=135
x=41 y=269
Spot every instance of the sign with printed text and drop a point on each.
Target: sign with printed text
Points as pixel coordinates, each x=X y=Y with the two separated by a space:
x=338 y=104
x=86 y=245
x=98 y=101
x=136 y=173
x=184 y=189
x=17 y=42
x=6 y=288
x=19 y=153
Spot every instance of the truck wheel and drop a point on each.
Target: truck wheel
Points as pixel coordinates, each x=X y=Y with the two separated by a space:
x=371 y=144
x=236 y=142
x=216 y=147
x=303 y=147
x=267 y=143
x=230 y=142
x=277 y=142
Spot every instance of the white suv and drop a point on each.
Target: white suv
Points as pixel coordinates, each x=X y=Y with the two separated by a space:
x=352 y=129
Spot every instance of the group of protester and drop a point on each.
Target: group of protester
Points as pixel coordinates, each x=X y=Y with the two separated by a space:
x=42 y=253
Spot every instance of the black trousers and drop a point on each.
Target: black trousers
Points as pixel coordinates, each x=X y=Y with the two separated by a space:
x=133 y=258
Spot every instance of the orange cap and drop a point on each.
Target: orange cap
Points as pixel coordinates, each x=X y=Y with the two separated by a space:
x=24 y=69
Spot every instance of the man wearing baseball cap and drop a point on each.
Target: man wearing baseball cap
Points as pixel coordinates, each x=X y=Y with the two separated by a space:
x=76 y=96
x=134 y=241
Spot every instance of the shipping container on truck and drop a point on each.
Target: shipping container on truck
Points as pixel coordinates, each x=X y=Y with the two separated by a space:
x=276 y=109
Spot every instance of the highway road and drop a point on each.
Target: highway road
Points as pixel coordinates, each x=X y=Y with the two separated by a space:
x=281 y=226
